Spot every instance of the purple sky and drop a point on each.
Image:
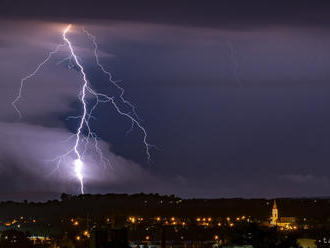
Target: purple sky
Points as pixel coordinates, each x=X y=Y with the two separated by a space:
x=238 y=101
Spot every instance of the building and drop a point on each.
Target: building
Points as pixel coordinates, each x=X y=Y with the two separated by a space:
x=274 y=218
x=287 y=223
x=109 y=238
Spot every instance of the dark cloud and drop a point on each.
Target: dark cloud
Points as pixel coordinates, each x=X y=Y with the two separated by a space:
x=322 y=181
x=237 y=101
x=238 y=14
x=4 y=44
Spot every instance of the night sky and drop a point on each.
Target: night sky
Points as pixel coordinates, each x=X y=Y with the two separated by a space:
x=234 y=94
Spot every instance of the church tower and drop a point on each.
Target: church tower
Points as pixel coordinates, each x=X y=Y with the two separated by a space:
x=274 y=218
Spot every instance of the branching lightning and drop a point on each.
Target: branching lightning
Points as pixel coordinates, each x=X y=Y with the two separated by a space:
x=87 y=112
x=134 y=118
x=19 y=96
x=78 y=162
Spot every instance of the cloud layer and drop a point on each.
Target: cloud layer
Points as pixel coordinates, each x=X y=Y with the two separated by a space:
x=232 y=108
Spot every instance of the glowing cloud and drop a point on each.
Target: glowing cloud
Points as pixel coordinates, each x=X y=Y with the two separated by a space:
x=81 y=140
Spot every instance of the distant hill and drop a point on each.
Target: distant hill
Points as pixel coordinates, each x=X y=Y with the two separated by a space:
x=157 y=205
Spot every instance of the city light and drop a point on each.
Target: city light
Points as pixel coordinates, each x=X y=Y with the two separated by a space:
x=86 y=234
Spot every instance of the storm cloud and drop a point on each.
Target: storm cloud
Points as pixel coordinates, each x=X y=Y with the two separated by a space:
x=235 y=95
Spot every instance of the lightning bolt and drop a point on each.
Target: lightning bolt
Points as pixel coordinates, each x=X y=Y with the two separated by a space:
x=78 y=162
x=19 y=96
x=133 y=117
x=86 y=115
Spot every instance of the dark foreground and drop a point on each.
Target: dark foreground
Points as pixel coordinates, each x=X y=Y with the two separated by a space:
x=140 y=220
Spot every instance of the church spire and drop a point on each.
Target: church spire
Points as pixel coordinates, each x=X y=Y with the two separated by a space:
x=274 y=218
x=274 y=205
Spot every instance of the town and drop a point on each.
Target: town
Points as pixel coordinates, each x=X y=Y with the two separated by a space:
x=151 y=220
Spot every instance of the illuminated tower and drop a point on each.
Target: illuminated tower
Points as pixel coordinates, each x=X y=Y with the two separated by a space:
x=274 y=218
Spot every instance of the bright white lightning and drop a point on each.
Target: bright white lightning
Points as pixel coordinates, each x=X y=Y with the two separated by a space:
x=86 y=115
x=133 y=117
x=78 y=165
